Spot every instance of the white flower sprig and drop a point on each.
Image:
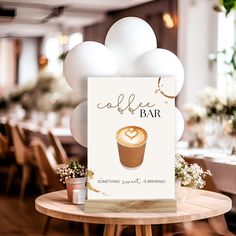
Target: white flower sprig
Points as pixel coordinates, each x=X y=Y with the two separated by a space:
x=190 y=175
x=71 y=170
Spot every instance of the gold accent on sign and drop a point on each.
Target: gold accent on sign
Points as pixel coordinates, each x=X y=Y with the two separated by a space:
x=159 y=89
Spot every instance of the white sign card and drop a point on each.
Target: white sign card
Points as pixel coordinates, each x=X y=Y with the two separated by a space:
x=131 y=138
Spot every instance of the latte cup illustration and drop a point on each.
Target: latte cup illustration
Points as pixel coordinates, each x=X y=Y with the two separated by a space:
x=131 y=141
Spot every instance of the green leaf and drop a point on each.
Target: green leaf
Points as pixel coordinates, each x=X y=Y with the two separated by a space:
x=229 y=5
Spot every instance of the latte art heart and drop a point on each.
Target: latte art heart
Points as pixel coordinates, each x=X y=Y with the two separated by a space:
x=131 y=133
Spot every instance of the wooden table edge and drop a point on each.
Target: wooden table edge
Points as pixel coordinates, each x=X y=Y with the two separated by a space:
x=99 y=218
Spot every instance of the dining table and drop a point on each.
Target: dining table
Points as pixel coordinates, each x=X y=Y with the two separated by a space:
x=221 y=164
x=64 y=134
x=197 y=205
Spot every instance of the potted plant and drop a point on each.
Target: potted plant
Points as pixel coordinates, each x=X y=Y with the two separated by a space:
x=74 y=176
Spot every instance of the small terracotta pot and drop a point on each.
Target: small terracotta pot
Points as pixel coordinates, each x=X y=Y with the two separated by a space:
x=74 y=183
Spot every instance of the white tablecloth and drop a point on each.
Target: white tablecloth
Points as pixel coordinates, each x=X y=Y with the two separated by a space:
x=221 y=165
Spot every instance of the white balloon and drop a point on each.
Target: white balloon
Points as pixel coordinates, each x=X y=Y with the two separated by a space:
x=161 y=62
x=179 y=125
x=129 y=38
x=88 y=59
x=78 y=123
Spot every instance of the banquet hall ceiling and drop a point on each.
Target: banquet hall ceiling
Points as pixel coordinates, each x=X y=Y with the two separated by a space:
x=35 y=18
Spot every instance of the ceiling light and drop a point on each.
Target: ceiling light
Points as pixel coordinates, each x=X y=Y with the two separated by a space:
x=168 y=20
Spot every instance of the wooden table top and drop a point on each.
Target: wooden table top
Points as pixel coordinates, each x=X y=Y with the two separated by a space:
x=199 y=204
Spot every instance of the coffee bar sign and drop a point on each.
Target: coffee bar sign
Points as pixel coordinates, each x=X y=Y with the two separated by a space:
x=131 y=144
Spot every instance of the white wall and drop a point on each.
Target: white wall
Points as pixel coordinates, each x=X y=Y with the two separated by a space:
x=28 y=62
x=197 y=38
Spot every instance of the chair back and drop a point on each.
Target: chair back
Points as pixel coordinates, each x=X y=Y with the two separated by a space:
x=2 y=128
x=4 y=147
x=23 y=135
x=46 y=165
x=60 y=154
x=8 y=133
x=22 y=152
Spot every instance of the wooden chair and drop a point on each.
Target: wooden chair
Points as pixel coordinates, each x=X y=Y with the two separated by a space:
x=23 y=135
x=4 y=147
x=24 y=158
x=60 y=154
x=2 y=128
x=8 y=133
x=47 y=171
x=8 y=163
x=218 y=224
x=46 y=166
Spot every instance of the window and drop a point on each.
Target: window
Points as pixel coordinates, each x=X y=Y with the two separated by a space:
x=7 y=65
x=226 y=39
x=54 y=47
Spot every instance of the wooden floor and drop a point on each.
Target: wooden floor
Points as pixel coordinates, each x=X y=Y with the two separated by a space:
x=21 y=218
x=18 y=218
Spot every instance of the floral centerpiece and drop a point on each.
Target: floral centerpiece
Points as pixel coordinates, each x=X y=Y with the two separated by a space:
x=74 y=176
x=48 y=94
x=214 y=103
x=190 y=175
x=219 y=117
x=194 y=118
x=230 y=125
x=195 y=114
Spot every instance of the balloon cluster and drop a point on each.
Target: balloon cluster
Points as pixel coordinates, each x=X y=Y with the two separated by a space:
x=130 y=50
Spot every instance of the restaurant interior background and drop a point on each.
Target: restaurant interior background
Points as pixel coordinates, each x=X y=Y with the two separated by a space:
x=35 y=37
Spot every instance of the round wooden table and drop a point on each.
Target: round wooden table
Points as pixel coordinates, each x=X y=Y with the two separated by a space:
x=199 y=204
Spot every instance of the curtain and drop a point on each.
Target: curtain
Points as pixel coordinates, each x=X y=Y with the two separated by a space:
x=7 y=65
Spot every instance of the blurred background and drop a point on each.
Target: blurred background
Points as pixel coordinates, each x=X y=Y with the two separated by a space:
x=35 y=37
